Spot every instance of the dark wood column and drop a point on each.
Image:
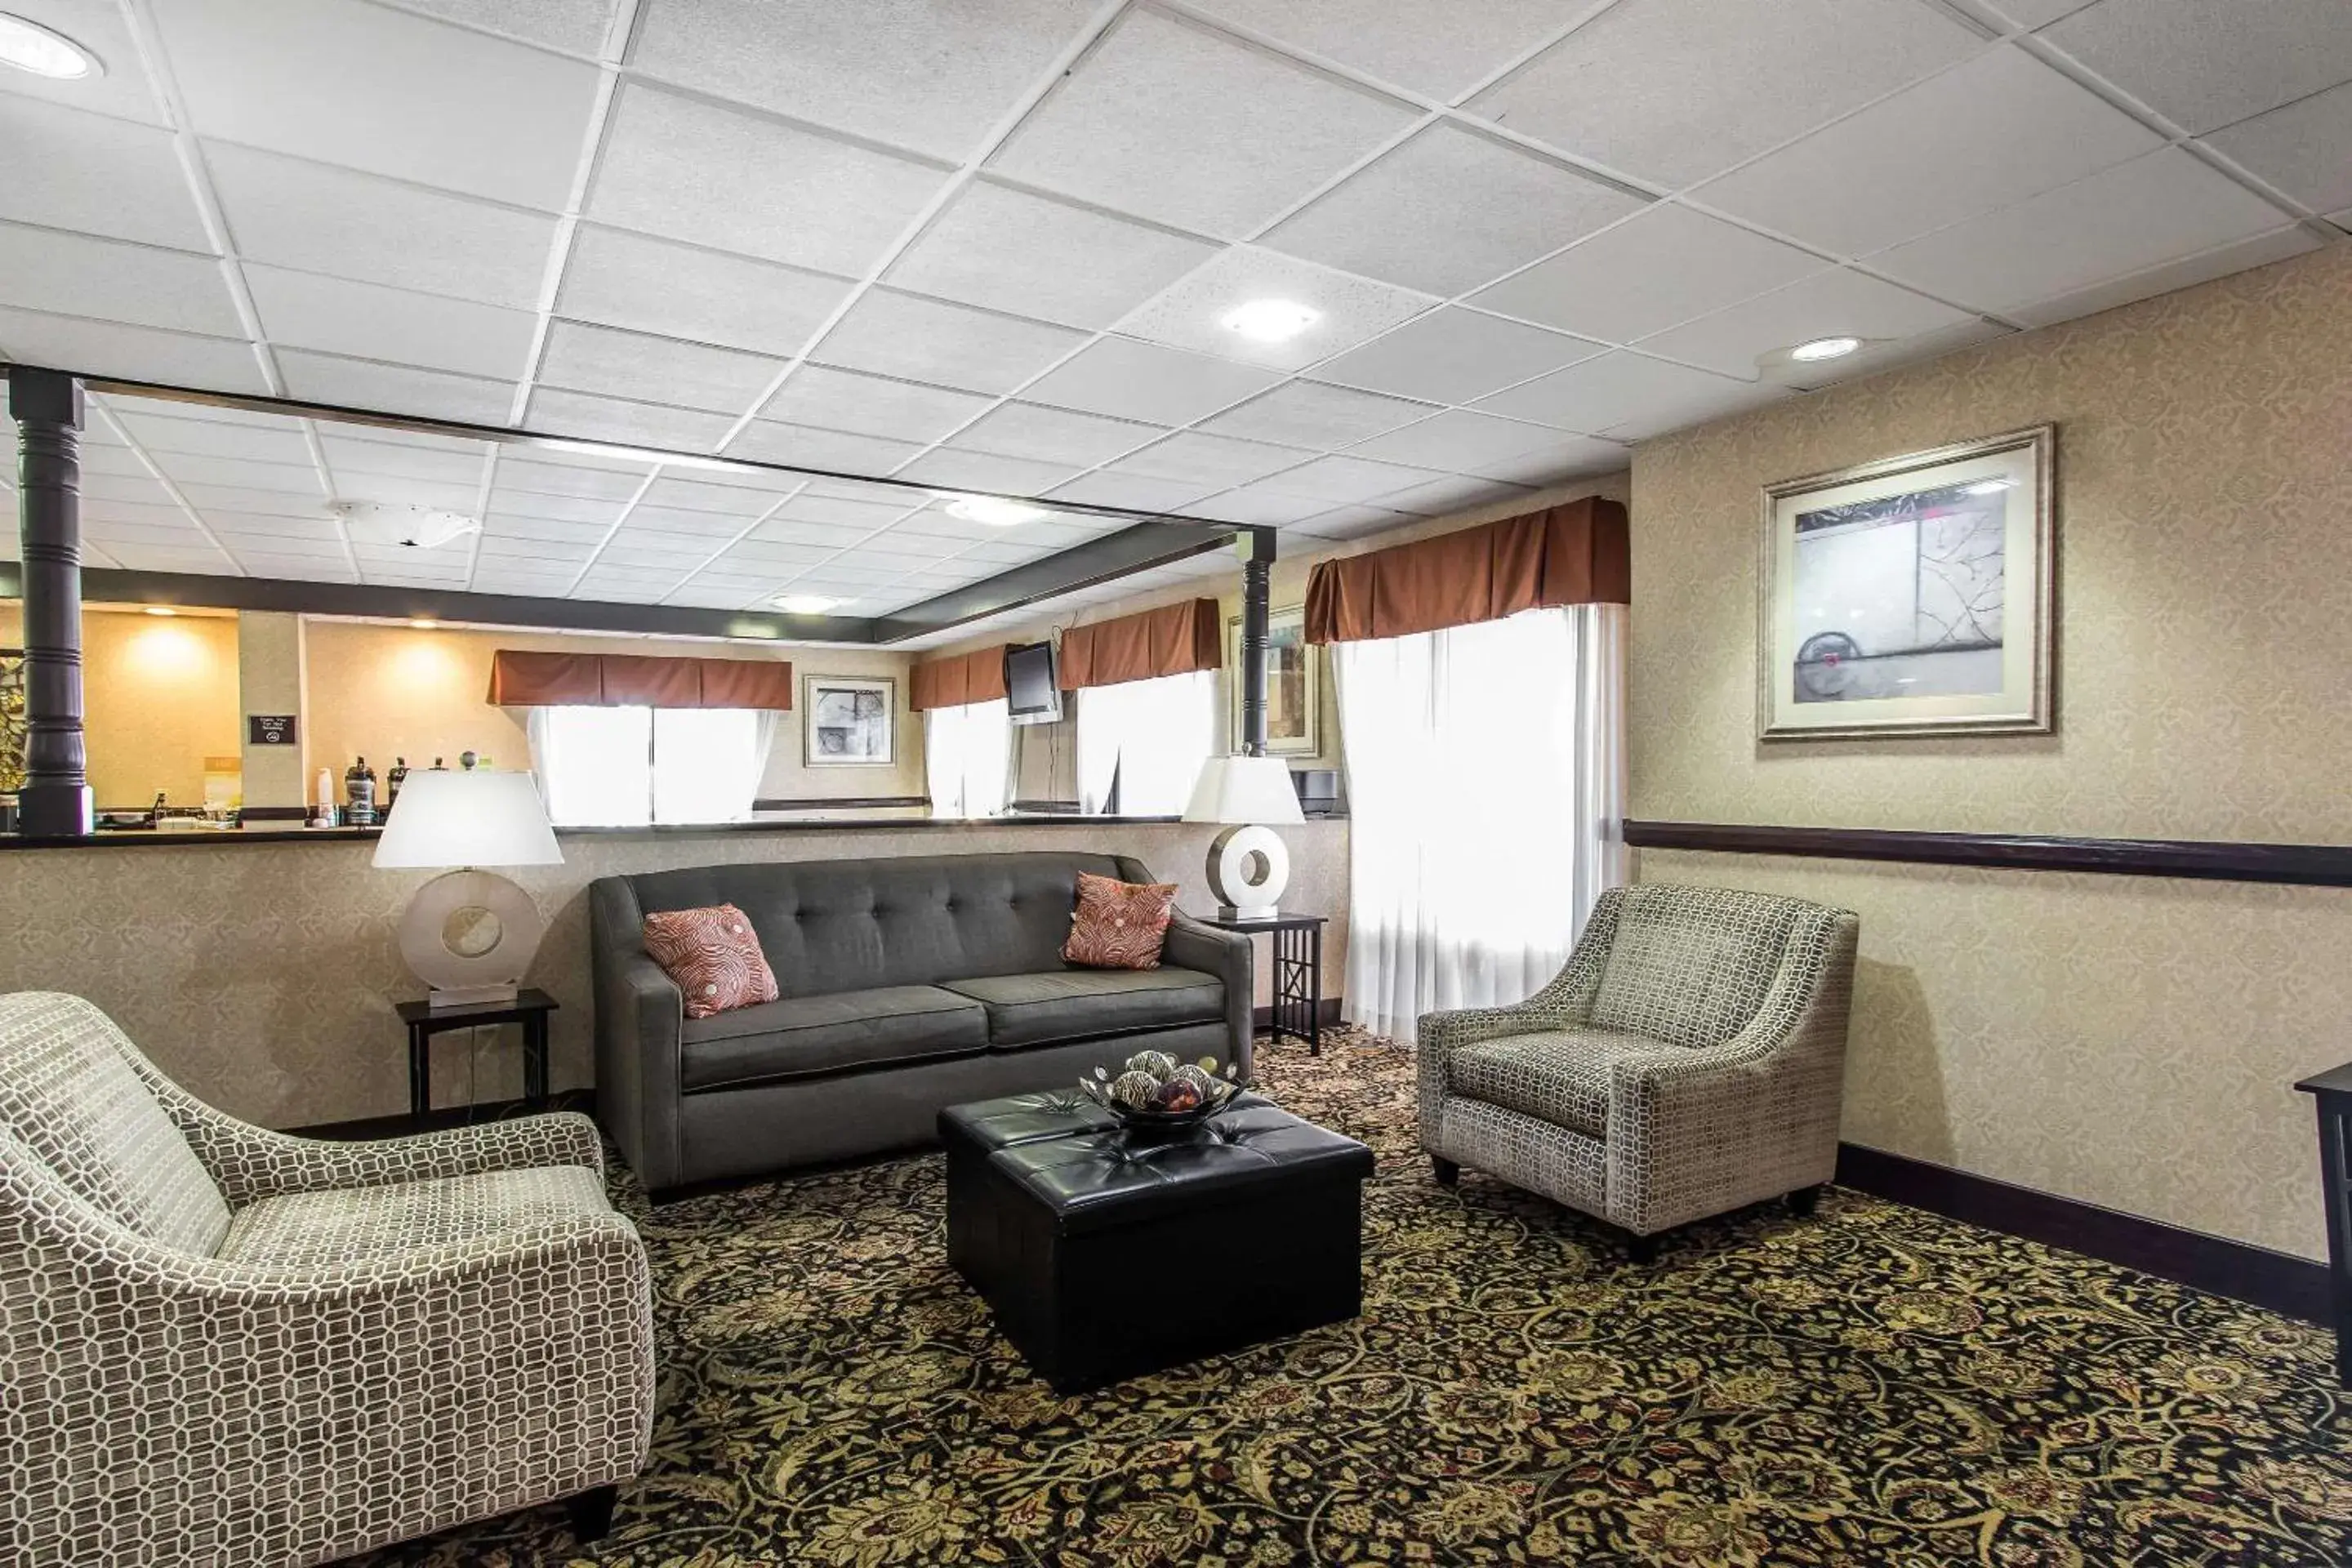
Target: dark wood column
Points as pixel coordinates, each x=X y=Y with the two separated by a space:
x=1258 y=569
x=47 y=405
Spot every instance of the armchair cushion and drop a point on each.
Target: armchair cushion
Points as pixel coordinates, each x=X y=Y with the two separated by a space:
x=1560 y=1076
x=1690 y=965
x=69 y=1093
x=329 y=1229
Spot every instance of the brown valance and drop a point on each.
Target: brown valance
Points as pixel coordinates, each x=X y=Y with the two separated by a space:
x=1175 y=639
x=1574 y=553
x=959 y=678
x=633 y=681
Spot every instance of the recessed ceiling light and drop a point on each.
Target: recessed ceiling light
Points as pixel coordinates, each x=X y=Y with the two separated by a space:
x=30 y=47
x=995 y=510
x=1988 y=487
x=424 y=625
x=161 y=610
x=1273 y=321
x=803 y=603
x=1824 y=348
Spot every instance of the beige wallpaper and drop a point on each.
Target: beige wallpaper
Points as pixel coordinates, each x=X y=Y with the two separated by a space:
x=262 y=976
x=159 y=695
x=2127 y=1041
x=382 y=691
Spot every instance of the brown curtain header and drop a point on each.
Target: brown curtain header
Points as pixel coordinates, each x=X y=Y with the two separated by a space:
x=632 y=680
x=1175 y=639
x=960 y=679
x=1575 y=554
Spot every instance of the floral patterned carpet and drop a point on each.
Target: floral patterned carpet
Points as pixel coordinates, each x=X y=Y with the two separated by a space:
x=1871 y=1386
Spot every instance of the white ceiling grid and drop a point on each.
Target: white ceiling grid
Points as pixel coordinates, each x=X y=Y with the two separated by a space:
x=989 y=248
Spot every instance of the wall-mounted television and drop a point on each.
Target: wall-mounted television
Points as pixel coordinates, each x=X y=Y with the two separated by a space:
x=1033 y=683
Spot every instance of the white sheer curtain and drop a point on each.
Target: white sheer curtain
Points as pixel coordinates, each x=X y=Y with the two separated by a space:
x=1485 y=776
x=1153 y=736
x=707 y=761
x=621 y=767
x=968 y=758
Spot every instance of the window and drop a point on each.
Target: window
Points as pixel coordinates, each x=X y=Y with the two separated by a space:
x=1147 y=738
x=620 y=767
x=967 y=755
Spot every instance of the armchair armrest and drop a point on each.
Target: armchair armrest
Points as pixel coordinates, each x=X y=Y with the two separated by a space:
x=252 y=1162
x=1230 y=956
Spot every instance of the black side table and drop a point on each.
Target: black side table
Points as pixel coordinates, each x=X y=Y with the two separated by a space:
x=530 y=1008
x=1297 y=972
x=2333 y=1091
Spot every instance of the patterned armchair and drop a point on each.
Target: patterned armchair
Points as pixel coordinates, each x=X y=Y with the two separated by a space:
x=220 y=1344
x=1688 y=1060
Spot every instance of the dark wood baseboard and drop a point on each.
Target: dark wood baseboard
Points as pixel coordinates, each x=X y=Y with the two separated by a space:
x=1327 y=1014
x=2294 y=1287
x=441 y=1120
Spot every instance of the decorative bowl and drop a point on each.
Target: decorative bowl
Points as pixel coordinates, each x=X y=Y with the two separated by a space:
x=1204 y=1090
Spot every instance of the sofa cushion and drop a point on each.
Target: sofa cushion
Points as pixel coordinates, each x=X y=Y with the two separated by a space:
x=1089 y=1004
x=836 y=1031
x=1692 y=964
x=310 y=1231
x=1560 y=1075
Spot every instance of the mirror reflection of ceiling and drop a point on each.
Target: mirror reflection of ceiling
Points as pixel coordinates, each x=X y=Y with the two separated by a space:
x=1311 y=264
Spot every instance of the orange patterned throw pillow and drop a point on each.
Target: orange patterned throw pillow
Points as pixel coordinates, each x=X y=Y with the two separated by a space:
x=1119 y=925
x=714 y=955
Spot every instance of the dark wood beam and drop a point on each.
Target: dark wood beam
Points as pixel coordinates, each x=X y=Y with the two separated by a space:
x=48 y=407
x=1257 y=608
x=1103 y=560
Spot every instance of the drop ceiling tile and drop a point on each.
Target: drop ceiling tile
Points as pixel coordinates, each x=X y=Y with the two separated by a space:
x=1347 y=522
x=617 y=278
x=84 y=171
x=1130 y=491
x=1453 y=355
x=518 y=584
x=394 y=389
x=1129 y=380
x=101 y=515
x=1602 y=393
x=559 y=412
x=399 y=491
x=1055 y=435
x=500 y=549
x=161 y=433
x=2155 y=209
x=2186 y=272
x=188 y=467
x=575 y=26
x=265 y=525
x=753 y=556
x=657 y=553
x=1348 y=309
x=1345 y=479
x=817 y=540
x=299 y=568
x=1663 y=265
x=1214 y=460
x=1309 y=414
x=361 y=453
x=126 y=488
x=1836 y=303
x=986 y=473
x=614 y=363
x=871 y=405
x=1699 y=407
x=1258 y=506
x=200 y=558
x=903 y=335
x=930 y=77
x=121 y=91
x=1171 y=121
x=179 y=535
x=369 y=320
x=724 y=501
x=1675 y=91
x=111 y=280
x=913 y=547
x=867 y=516
x=1441 y=51
x=598 y=489
x=695 y=171
x=1460 y=441
x=768 y=441
x=1992 y=131
x=1033 y=256
x=1449 y=210
x=1443 y=497
x=2304 y=148
x=380 y=90
x=672 y=524
x=317 y=218
x=2204 y=65
x=208 y=498
x=322 y=546
x=2035 y=13
x=96 y=457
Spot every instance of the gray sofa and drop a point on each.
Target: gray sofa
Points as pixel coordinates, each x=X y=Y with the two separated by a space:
x=905 y=986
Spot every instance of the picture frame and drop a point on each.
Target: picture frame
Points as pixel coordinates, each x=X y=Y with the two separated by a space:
x=849 y=721
x=1293 y=685
x=1913 y=595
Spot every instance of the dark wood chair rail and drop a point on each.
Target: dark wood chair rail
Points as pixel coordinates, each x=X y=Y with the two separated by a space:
x=2305 y=865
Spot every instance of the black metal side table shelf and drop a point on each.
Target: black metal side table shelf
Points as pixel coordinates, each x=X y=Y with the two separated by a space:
x=2333 y=1091
x=530 y=1008
x=1297 y=972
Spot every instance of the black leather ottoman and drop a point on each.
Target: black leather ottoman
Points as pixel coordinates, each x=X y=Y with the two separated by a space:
x=1105 y=1256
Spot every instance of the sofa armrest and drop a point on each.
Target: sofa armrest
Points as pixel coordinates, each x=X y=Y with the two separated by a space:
x=640 y=1024
x=1230 y=956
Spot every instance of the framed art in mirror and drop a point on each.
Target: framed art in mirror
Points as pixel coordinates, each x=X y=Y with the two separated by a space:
x=849 y=721
x=1294 y=694
x=1913 y=595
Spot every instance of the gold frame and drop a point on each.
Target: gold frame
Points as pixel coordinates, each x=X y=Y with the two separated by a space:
x=2041 y=717
x=1312 y=694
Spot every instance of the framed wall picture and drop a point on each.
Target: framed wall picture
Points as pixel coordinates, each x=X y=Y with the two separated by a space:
x=1914 y=595
x=849 y=721
x=1293 y=693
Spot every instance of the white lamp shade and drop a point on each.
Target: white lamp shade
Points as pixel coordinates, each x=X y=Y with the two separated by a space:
x=477 y=818
x=1244 y=790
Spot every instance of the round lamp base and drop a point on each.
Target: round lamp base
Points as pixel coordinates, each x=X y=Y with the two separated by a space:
x=470 y=935
x=1248 y=868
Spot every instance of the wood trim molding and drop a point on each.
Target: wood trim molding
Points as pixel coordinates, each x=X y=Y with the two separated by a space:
x=2305 y=865
x=841 y=803
x=2279 y=1281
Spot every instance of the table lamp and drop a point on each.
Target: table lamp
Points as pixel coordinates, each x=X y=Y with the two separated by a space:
x=1248 y=864
x=470 y=935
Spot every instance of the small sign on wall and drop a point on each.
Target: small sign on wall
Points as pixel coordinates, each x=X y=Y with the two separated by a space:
x=269 y=729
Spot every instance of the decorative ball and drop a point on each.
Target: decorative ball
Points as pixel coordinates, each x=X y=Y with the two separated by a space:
x=1193 y=1075
x=1159 y=1064
x=1175 y=1095
x=1134 y=1089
